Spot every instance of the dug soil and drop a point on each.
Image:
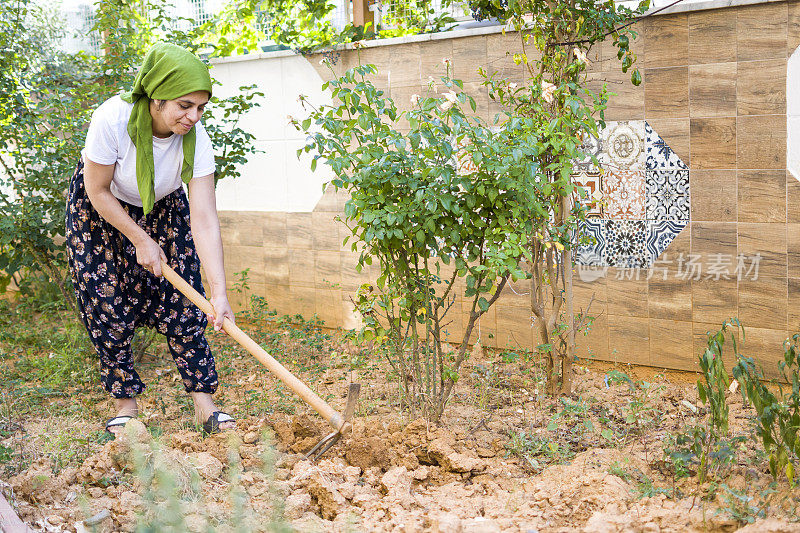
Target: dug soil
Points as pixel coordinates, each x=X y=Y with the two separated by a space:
x=505 y=457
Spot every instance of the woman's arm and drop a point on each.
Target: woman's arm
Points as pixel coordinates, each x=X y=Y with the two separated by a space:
x=97 y=179
x=207 y=239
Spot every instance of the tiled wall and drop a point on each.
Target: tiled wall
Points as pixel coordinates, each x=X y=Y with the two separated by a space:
x=715 y=90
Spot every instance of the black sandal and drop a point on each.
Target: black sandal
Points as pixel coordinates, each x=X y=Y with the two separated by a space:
x=211 y=425
x=117 y=421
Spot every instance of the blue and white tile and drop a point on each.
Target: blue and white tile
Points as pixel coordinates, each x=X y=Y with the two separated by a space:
x=668 y=207
x=590 y=250
x=659 y=154
x=660 y=234
x=626 y=244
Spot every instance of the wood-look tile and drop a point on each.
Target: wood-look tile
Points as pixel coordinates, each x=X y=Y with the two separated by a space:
x=303 y=301
x=700 y=333
x=712 y=90
x=762 y=195
x=666 y=41
x=331 y=201
x=481 y=95
x=629 y=339
x=761 y=87
x=239 y=258
x=627 y=297
x=471 y=55
x=328 y=306
x=793 y=250
x=766 y=346
x=669 y=294
x=378 y=56
x=761 y=141
x=352 y=278
x=301 y=267
x=666 y=92
x=514 y=327
x=671 y=344
x=761 y=31
x=792 y=198
x=592 y=342
x=299 y=231
x=714 y=301
x=431 y=55
x=793 y=306
x=713 y=143
x=325 y=231
x=327 y=269
x=500 y=50
x=675 y=132
x=276 y=265
x=763 y=302
x=608 y=52
x=404 y=65
x=713 y=238
x=713 y=195
x=278 y=298
x=274 y=230
x=769 y=243
x=591 y=297
x=627 y=102
x=793 y=28
x=712 y=36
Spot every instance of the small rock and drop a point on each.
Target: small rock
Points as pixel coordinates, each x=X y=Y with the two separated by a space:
x=329 y=499
x=206 y=464
x=441 y=452
x=95 y=492
x=250 y=437
x=446 y=523
x=296 y=505
x=480 y=525
x=55 y=520
x=96 y=519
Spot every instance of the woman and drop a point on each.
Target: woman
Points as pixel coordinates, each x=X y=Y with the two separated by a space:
x=127 y=212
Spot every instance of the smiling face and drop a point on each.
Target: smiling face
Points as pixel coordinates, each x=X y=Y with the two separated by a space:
x=177 y=116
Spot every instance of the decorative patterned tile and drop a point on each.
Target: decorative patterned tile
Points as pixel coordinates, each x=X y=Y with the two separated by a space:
x=591 y=245
x=624 y=195
x=623 y=145
x=667 y=194
x=659 y=154
x=592 y=185
x=644 y=196
x=591 y=146
x=626 y=244
x=668 y=207
x=660 y=233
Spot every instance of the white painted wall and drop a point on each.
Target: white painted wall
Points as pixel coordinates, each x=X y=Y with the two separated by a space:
x=793 y=114
x=274 y=180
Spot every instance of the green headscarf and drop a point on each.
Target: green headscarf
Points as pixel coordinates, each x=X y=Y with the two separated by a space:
x=167 y=72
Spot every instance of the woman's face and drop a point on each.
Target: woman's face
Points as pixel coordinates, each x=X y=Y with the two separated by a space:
x=179 y=115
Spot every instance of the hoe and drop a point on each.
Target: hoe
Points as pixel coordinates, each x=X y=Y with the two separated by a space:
x=339 y=421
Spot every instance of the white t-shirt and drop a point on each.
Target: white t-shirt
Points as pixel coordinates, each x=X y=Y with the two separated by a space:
x=108 y=142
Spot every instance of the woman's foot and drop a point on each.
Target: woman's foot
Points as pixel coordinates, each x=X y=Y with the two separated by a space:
x=126 y=407
x=204 y=410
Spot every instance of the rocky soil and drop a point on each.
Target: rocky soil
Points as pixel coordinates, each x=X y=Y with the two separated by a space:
x=392 y=474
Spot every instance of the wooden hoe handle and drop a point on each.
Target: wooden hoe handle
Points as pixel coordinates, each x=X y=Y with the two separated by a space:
x=309 y=396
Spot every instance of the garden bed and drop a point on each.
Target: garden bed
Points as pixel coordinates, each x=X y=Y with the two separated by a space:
x=505 y=457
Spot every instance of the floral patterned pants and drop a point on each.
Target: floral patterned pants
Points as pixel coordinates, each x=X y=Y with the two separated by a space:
x=116 y=294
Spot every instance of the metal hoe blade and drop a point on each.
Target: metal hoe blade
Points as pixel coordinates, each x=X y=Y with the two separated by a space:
x=326 y=443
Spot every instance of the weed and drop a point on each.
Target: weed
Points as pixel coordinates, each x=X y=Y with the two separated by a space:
x=738 y=506
x=616 y=469
x=538 y=452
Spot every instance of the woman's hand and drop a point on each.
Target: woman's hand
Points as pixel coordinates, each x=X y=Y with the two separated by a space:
x=149 y=255
x=222 y=310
